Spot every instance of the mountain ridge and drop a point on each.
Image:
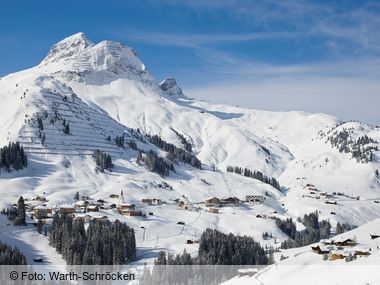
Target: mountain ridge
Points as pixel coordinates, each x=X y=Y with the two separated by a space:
x=104 y=91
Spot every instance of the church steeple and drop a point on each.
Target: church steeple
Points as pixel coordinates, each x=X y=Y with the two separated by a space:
x=121 y=197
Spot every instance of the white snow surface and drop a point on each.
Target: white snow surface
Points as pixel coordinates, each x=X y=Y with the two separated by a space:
x=105 y=90
x=302 y=266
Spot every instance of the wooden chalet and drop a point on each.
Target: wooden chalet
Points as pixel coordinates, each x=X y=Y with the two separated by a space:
x=42 y=212
x=151 y=201
x=362 y=252
x=346 y=242
x=213 y=201
x=81 y=204
x=319 y=250
x=128 y=210
x=40 y=198
x=183 y=205
x=336 y=256
x=213 y=210
x=230 y=200
x=92 y=208
x=255 y=199
x=66 y=210
x=374 y=236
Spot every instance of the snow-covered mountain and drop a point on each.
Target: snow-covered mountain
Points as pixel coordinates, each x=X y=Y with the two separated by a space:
x=103 y=91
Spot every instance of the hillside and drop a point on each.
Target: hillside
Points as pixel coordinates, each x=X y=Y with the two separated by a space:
x=103 y=92
x=303 y=265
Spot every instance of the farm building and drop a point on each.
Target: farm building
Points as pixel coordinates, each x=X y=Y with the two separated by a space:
x=84 y=217
x=128 y=210
x=319 y=250
x=339 y=242
x=81 y=204
x=84 y=198
x=362 y=252
x=213 y=210
x=183 y=205
x=346 y=242
x=213 y=201
x=255 y=199
x=100 y=218
x=132 y=213
x=151 y=201
x=66 y=210
x=337 y=255
x=40 y=198
x=126 y=207
x=42 y=212
x=230 y=200
x=374 y=236
x=92 y=208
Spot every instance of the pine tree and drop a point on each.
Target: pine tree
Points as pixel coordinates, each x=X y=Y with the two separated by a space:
x=66 y=129
x=11 y=256
x=21 y=215
x=39 y=225
x=40 y=124
x=14 y=156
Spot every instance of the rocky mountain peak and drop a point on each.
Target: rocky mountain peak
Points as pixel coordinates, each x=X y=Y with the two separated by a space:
x=171 y=88
x=68 y=47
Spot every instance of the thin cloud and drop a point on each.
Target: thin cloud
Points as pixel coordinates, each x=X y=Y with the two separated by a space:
x=199 y=40
x=356 y=22
x=223 y=62
x=345 y=98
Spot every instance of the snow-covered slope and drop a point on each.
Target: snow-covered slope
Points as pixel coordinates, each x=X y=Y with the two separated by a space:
x=302 y=265
x=36 y=109
x=103 y=91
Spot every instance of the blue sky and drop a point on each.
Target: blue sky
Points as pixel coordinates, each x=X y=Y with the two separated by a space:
x=316 y=56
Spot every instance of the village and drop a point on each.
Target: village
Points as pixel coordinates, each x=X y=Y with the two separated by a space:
x=312 y=192
x=39 y=210
x=343 y=248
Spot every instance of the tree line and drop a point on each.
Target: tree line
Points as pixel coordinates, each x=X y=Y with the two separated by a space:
x=344 y=227
x=254 y=174
x=13 y=156
x=184 y=141
x=104 y=243
x=11 y=255
x=360 y=149
x=102 y=160
x=154 y=163
x=16 y=215
x=217 y=248
x=175 y=153
x=314 y=231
